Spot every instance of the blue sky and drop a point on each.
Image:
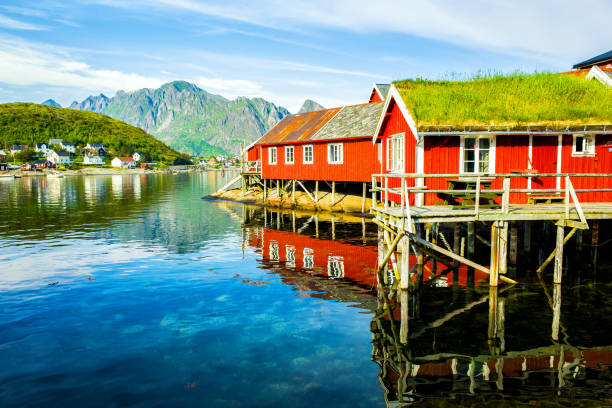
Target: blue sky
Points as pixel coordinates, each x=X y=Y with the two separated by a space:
x=283 y=51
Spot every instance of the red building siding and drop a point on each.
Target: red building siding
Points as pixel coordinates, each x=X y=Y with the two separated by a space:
x=441 y=156
x=512 y=155
x=254 y=153
x=375 y=97
x=360 y=161
x=600 y=163
x=396 y=123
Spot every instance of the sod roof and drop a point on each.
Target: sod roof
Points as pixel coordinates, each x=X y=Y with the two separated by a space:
x=511 y=102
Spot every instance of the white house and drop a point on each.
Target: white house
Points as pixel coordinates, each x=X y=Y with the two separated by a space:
x=59 y=157
x=55 y=142
x=42 y=148
x=124 y=162
x=92 y=160
x=97 y=148
x=18 y=148
x=68 y=146
x=138 y=156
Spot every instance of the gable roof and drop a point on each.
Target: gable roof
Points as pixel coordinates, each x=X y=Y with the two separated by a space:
x=124 y=159
x=606 y=56
x=351 y=121
x=383 y=90
x=61 y=153
x=298 y=127
x=507 y=102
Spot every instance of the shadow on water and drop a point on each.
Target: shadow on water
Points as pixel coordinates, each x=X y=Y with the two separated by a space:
x=450 y=339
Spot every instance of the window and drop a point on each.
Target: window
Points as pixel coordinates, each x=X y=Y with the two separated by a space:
x=334 y=153
x=289 y=154
x=335 y=267
x=584 y=145
x=290 y=256
x=273 y=251
x=395 y=161
x=308 y=154
x=308 y=258
x=477 y=154
x=272 y=155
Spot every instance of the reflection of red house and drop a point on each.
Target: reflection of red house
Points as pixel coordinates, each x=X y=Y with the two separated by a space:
x=334 y=259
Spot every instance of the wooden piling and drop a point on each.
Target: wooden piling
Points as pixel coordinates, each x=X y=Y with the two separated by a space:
x=404 y=302
x=333 y=197
x=404 y=246
x=333 y=228
x=556 y=322
x=494 y=268
x=559 y=254
x=527 y=236
x=265 y=193
x=293 y=192
x=278 y=189
x=316 y=191
x=456 y=238
x=513 y=248
x=363 y=199
x=381 y=254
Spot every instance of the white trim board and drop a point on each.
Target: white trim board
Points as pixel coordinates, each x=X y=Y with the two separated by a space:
x=394 y=95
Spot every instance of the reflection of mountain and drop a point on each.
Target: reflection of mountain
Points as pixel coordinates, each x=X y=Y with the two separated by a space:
x=160 y=208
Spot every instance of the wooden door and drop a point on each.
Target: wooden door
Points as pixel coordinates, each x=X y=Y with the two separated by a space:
x=544 y=160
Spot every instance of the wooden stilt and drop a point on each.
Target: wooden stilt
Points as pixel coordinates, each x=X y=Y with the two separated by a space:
x=513 y=250
x=556 y=322
x=293 y=220
x=278 y=220
x=456 y=238
x=278 y=188
x=293 y=192
x=391 y=249
x=316 y=225
x=494 y=269
x=559 y=254
x=492 y=331
x=404 y=246
x=265 y=197
x=333 y=227
x=333 y=197
x=404 y=302
x=317 y=191
x=554 y=252
x=527 y=237
x=381 y=254
x=363 y=199
x=502 y=247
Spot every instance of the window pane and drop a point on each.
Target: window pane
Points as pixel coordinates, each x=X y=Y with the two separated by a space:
x=579 y=144
x=469 y=143
x=483 y=143
x=468 y=167
x=484 y=161
x=469 y=155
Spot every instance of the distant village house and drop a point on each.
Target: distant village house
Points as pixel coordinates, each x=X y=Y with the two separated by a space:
x=123 y=162
x=138 y=156
x=42 y=148
x=93 y=160
x=68 y=146
x=18 y=148
x=59 y=157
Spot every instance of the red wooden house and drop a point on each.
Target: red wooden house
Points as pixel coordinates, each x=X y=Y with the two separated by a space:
x=527 y=124
x=326 y=145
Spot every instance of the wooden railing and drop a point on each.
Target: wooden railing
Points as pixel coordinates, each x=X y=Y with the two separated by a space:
x=386 y=185
x=253 y=167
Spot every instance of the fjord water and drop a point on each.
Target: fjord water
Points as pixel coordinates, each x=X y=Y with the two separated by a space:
x=132 y=291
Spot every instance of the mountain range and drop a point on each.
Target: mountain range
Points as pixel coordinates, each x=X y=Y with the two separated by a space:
x=190 y=119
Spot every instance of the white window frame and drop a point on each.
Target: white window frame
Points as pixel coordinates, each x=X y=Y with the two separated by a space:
x=330 y=147
x=304 y=159
x=287 y=150
x=491 y=169
x=397 y=153
x=335 y=267
x=587 y=150
x=272 y=154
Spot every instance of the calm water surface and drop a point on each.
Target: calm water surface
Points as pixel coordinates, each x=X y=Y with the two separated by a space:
x=132 y=291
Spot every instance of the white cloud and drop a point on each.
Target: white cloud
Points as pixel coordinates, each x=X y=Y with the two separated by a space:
x=23 y=11
x=27 y=64
x=7 y=22
x=563 y=29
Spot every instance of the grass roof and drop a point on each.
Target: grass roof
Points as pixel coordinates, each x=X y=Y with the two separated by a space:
x=502 y=101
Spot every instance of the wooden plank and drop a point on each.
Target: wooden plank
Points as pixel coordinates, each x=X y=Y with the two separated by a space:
x=559 y=254
x=554 y=252
x=306 y=191
x=390 y=251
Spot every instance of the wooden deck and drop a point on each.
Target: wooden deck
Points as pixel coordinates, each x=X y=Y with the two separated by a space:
x=516 y=212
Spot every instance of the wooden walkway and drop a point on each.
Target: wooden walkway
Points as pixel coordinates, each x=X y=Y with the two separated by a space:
x=516 y=212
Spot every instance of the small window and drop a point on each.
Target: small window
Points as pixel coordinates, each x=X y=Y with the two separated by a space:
x=334 y=153
x=397 y=153
x=289 y=154
x=308 y=154
x=477 y=154
x=584 y=145
x=272 y=155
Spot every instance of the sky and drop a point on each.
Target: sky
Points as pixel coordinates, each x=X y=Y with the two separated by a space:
x=283 y=51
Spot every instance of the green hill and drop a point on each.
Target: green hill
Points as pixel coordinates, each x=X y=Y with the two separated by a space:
x=30 y=123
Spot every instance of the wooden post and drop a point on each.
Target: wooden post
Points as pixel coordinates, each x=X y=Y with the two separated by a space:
x=317 y=192
x=492 y=331
x=293 y=192
x=527 y=237
x=265 y=197
x=333 y=223
x=559 y=254
x=513 y=251
x=316 y=225
x=244 y=184
x=363 y=199
x=404 y=271
x=293 y=220
x=456 y=238
x=404 y=299
x=265 y=217
x=502 y=247
x=381 y=253
x=471 y=239
x=333 y=197
x=278 y=188
x=556 y=311
x=494 y=269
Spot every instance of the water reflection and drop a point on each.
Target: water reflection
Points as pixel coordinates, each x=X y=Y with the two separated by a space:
x=447 y=337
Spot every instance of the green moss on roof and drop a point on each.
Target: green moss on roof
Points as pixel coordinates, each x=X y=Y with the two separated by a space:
x=514 y=101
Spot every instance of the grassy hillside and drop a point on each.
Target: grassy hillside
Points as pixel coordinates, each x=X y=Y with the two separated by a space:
x=29 y=123
x=508 y=100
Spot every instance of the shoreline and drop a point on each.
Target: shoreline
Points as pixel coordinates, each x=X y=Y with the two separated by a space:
x=103 y=171
x=344 y=203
